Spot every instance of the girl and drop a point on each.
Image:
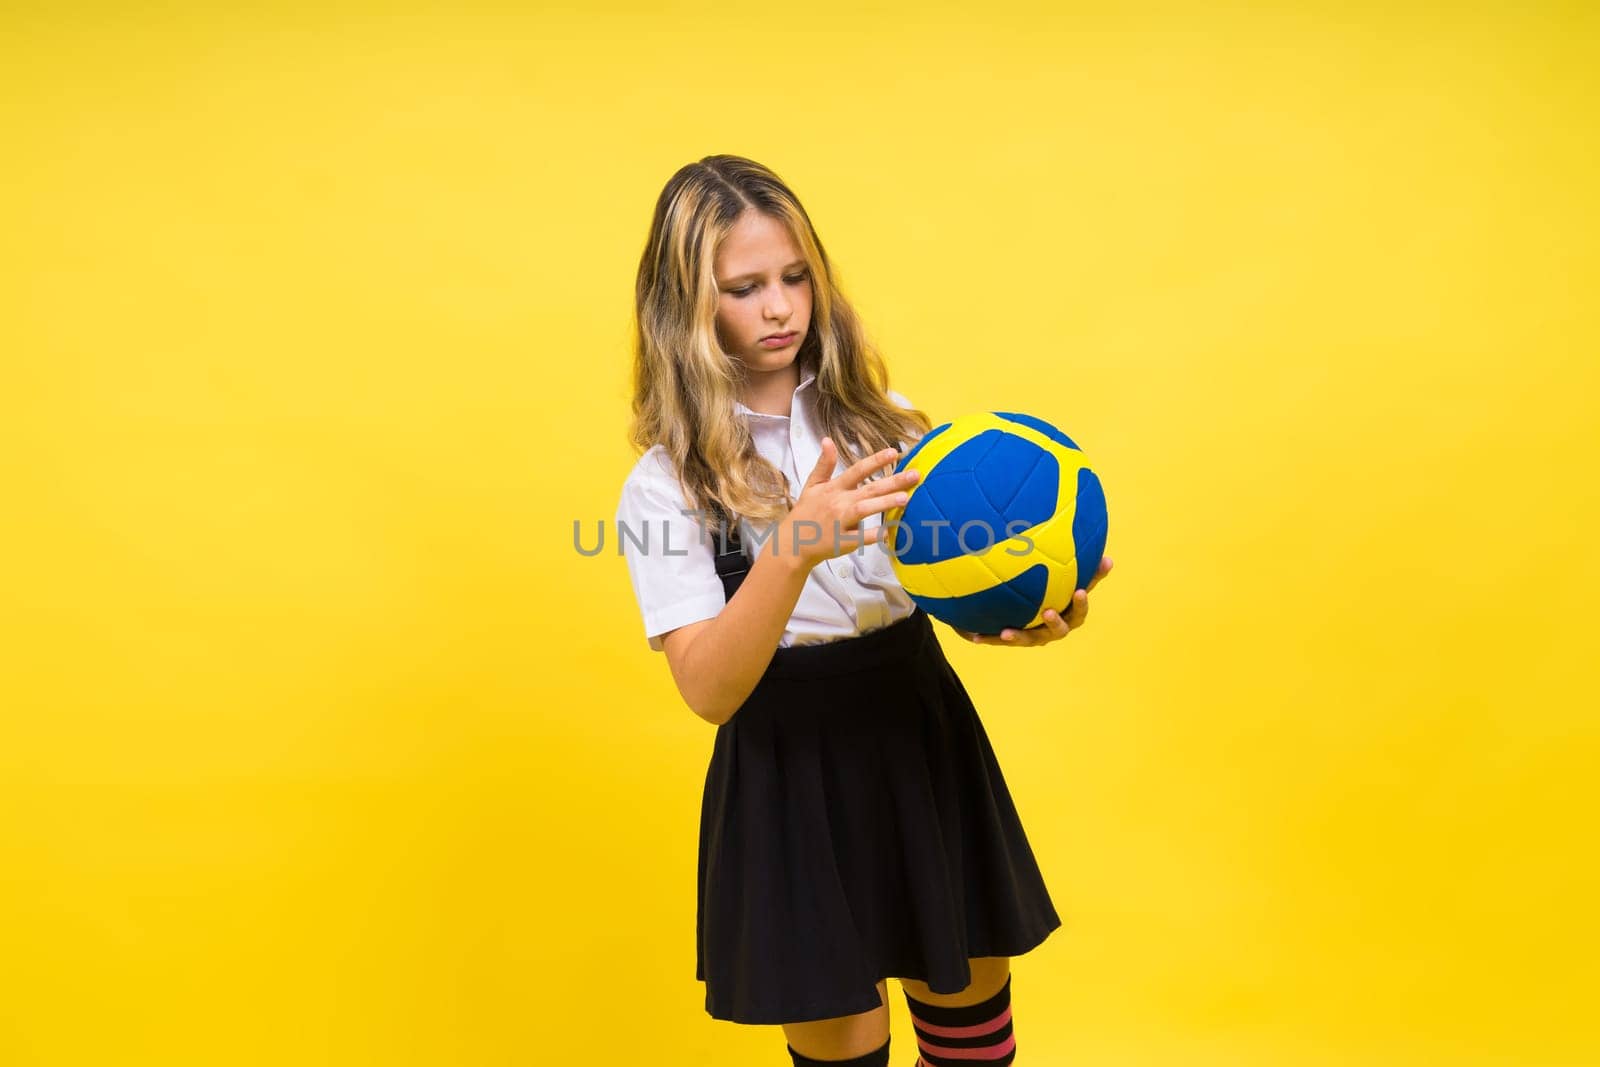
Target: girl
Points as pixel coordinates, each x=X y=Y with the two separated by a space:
x=855 y=824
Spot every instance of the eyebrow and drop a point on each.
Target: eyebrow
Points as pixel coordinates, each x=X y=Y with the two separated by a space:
x=757 y=274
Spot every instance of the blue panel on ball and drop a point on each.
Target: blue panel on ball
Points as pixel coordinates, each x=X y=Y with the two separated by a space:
x=946 y=497
x=1012 y=604
x=1089 y=526
x=929 y=525
x=1039 y=424
x=988 y=487
x=1003 y=471
x=1020 y=480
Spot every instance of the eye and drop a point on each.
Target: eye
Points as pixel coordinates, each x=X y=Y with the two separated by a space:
x=793 y=279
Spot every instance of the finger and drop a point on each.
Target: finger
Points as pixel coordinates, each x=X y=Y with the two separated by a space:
x=872 y=504
x=1105 y=569
x=858 y=472
x=901 y=483
x=825 y=462
x=880 y=494
x=1058 y=626
x=1079 y=610
x=872 y=536
x=883 y=466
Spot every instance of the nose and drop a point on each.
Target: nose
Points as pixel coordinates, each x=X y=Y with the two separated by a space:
x=778 y=308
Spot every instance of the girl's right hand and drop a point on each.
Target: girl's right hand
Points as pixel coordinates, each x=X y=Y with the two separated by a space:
x=824 y=522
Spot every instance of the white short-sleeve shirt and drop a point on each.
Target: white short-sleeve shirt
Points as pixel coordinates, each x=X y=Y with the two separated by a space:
x=670 y=560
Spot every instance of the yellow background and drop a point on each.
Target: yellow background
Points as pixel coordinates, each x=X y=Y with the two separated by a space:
x=321 y=744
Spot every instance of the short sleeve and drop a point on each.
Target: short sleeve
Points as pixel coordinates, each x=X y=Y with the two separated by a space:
x=670 y=563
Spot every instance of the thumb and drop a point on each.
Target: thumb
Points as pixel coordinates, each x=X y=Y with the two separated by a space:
x=824 y=468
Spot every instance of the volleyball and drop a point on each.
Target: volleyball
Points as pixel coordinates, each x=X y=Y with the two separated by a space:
x=1006 y=521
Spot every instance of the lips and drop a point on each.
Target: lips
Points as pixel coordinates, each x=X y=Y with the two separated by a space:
x=779 y=336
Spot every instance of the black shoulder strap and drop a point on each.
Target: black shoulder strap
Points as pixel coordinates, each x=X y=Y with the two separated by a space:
x=728 y=553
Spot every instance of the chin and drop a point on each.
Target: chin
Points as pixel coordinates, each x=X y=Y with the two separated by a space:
x=783 y=357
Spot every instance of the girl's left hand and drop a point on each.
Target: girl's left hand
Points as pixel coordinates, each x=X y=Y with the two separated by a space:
x=1054 y=627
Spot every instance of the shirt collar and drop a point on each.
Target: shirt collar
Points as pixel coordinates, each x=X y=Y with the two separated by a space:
x=806 y=379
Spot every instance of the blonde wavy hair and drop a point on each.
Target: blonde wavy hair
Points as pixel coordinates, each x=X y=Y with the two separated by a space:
x=685 y=384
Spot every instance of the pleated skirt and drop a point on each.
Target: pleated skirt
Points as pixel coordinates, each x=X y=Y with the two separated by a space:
x=855 y=826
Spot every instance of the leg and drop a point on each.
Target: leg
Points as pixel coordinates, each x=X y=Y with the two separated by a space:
x=974 y=1025
x=845 y=1038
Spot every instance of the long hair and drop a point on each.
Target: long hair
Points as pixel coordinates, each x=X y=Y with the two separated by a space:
x=685 y=384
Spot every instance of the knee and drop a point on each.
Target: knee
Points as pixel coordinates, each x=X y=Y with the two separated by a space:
x=849 y=1041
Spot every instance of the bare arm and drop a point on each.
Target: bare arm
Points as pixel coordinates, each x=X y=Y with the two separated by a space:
x=717 y=662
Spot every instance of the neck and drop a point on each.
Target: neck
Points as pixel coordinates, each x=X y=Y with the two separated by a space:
x=772 y=392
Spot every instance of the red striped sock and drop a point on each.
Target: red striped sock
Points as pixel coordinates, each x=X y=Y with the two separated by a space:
x=975 y=1036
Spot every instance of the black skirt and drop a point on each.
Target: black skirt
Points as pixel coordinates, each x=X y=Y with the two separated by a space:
x=856 y=826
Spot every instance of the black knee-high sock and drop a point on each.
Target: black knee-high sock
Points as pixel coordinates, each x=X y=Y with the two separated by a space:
x=948 y=1037
x=878 y=1057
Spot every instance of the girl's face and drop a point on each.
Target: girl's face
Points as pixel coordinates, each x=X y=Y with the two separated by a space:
x=763 y=289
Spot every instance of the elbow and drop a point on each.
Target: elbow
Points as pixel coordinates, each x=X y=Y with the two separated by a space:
x=709 y=707
x=705 y=706
x=709 y=700
x=715 y=717
x=715 y=696
x=714 y=712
